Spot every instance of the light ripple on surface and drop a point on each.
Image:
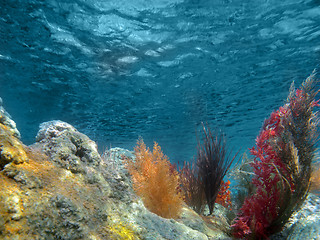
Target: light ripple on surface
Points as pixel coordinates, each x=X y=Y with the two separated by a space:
x=119 y=70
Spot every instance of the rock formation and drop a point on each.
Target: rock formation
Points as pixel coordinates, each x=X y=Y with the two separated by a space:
x=61 y=188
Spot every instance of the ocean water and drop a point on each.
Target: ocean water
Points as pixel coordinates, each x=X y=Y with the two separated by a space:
x=117 y=70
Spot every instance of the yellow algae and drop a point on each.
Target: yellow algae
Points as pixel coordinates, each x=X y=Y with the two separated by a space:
x=121 y=231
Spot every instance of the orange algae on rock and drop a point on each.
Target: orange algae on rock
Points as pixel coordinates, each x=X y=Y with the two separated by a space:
x=11 y=148
x=12 y=210
x=38 y=189
x=33 y=188
x=16 y=202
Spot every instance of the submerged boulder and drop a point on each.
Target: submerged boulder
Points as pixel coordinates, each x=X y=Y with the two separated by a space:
x=305 y=223
x=11 y=148
x=5 y=119
x=61 y=188
x=67 y=147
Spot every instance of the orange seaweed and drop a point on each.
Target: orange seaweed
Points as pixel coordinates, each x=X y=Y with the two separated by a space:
x=155 y=181
x=224 y=196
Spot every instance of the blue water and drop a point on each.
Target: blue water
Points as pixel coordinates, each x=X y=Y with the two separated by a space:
x=117 y=70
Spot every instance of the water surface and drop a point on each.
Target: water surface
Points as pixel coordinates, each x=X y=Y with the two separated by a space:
x=117 y=70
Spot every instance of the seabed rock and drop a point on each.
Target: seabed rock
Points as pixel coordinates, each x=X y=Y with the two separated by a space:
x=67 y=147
x=11 y=148
x=61 y=188
x=305 y=223
x=5 y=119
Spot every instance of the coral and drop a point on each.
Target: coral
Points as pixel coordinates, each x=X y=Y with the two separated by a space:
x=283 y=154
x=155 y=181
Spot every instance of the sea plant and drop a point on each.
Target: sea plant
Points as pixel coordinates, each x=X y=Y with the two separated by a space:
x=202 y=181
x=192 y=187
x=224 y=195
x=284 y=151
x=315 y=179
x=155 y=180
x=213 y=161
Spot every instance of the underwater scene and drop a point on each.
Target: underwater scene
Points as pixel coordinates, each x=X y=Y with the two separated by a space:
x=163 y=119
